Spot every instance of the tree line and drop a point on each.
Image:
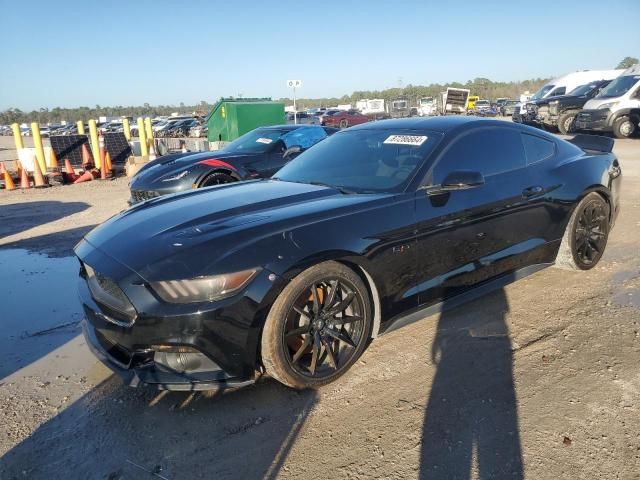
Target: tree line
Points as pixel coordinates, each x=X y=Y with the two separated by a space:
x=483 y=87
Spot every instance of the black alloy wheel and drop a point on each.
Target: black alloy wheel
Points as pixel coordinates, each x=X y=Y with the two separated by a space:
x=217 y=178
x=591 y=233
x=324 y=328
x=318 y=326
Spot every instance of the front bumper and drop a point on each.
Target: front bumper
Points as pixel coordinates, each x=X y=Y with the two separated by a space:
x=594 y=120
x=221 y=337
x=141 y=369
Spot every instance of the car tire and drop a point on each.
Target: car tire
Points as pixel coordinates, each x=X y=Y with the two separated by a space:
x=304 y=344
x=586 y=235
x=566 y=123
x=624 y=127
x=216 y=178
x=344 y=123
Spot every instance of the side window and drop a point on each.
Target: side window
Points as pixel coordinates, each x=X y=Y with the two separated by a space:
x=305 y=137
x=489 y=151
x=536 y=148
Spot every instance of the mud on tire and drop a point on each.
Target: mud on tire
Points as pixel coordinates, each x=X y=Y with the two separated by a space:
x=586 y=235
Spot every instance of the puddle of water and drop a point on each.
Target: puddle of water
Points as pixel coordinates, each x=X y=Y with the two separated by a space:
x=627 y=298
x=624 y=276
x=37 y=293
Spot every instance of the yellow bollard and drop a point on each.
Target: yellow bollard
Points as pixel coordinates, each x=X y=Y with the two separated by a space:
x=17 y=136
x=127 y=129
x=37 y=142
x=142 y=136
x=148 y=130
x=95 y=147
x=80 y=127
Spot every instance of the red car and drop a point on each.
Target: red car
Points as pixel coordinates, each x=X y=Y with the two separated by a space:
x=345 y=119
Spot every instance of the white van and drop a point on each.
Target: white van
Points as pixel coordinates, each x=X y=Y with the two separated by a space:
x=616 y=108
x=563 y=85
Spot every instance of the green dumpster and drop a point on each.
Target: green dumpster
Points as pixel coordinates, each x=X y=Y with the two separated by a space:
x=231 y=118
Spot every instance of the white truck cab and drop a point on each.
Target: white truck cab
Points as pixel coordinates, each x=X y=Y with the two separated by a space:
x=427 y=106
x=563 y=85
x=616 y=108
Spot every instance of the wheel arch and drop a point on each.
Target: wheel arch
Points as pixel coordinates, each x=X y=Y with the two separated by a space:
x=226 y=171
x=356 y=262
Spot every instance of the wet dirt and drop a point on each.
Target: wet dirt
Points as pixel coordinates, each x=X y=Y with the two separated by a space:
x=40 y=308
x=539 y=380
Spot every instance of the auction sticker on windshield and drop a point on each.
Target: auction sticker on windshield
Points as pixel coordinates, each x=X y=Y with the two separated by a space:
x=266 y=141
x=415 y=140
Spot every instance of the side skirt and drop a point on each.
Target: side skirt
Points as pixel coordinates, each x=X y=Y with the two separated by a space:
x=457 y=300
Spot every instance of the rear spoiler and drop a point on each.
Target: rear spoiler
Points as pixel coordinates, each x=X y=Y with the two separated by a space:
x=593 y=142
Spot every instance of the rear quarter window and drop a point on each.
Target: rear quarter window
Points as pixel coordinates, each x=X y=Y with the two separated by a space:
x=537 y=149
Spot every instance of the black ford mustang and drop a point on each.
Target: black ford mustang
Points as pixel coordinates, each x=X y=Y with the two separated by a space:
x=259 y=153
x=366 y=231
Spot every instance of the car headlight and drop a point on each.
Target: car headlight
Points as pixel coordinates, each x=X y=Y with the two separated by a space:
x=176 y=177
x=607 y=105
x=203 y=289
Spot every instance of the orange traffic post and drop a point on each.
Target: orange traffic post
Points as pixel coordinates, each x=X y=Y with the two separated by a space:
x=38 y=177
x=8 y=181
x=107 y=163
x=85 y=177
x=69 y=174
x=24 y=178
x=87 y=160
x=53 y=161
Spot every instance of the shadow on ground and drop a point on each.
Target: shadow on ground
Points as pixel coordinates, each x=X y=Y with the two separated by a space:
x=56 y=244
x=18 y=217
x=471 y=420
x=115 y=432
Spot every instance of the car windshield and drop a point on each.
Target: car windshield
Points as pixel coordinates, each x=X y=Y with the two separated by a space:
x=619 y=86
x=482 y=103
x=542 y=92
x=256 y=141
x=363 y=161
x=582 y=89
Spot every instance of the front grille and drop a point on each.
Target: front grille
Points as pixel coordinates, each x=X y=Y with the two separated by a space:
x=141 y=195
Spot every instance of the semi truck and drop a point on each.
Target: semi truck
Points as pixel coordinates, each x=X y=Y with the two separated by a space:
x=454 y=101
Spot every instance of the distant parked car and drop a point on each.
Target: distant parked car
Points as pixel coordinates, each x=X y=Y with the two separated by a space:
x=328 y=113
x=302 y=118
x=507 y=108
x=345 y=119
x=484 y=108
x=257 y=154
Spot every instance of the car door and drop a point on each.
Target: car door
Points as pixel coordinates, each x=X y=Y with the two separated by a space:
x=466 y=237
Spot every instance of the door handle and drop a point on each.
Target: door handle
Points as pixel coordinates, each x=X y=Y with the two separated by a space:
x=532 y=191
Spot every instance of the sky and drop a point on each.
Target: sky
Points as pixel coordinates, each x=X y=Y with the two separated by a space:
x=70 y=53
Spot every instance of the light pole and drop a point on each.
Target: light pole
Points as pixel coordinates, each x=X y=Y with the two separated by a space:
x=294 y=84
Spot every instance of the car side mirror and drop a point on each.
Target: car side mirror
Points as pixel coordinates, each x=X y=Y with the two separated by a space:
x=457 y=180
x=292 y=151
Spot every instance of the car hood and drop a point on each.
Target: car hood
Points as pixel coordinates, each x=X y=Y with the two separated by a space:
x=595 y=103
x=201 y=232
x=172 y=164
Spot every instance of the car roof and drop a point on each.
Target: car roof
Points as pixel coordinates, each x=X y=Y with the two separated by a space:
x=289 y=126
x=439 y=124
x=447 y=124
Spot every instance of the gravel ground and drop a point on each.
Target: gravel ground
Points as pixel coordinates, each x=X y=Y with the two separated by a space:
x=541 y=377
